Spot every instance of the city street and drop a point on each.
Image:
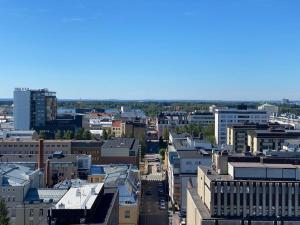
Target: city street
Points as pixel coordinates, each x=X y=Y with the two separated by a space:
x=150 y=212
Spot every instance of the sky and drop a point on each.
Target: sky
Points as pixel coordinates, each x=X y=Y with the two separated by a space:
x=152 y=49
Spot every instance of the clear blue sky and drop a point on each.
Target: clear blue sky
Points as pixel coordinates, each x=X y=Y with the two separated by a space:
x=152 y=49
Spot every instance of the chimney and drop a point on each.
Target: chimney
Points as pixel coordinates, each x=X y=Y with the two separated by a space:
x=40 y=157
x=47 y=174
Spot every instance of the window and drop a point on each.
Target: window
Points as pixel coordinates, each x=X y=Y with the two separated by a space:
x=41 y=212
x=31 y=212
x=127 y=214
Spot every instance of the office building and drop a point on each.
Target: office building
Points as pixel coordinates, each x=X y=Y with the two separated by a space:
x=245 y=193
x=33 y=108
x=201 y=118
x=227 y=117
x=86 y=204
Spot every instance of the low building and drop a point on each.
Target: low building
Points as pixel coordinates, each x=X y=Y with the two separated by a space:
x=87 y=204
x=16 y=181
x=249 y=193
x=135 y=130
x=30 y=147
x=127 y=180
x=122 y=151
x=87 y=147
x=259 y=140
x=286 y=119
x=271 y=109
x=118 y=128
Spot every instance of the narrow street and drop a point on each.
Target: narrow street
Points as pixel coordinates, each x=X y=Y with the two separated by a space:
x=150 y=212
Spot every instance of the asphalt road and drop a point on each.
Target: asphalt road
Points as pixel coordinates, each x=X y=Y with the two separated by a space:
x=150 y=213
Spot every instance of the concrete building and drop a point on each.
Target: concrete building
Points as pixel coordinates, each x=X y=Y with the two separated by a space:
x=237 y=135
x=248 y=193
x=15 y=183
x=19 y=135
x=271 y=109
x=227 y=117
x=183 y=158
x=30 y=147
x=201 y=118
x=135 y=130
x=259 y=140
x=127 y=180
x=88 y=204
x=33 y=108
x=121 y=150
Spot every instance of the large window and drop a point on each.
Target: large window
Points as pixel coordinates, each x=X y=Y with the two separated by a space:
x=127 y=214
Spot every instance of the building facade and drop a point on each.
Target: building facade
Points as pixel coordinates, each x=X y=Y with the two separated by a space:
x=226 y=117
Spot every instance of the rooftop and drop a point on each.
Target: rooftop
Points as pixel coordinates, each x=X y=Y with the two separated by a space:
x=47 y=195
x=130 y=143
x=82 y=197
x=14 y=175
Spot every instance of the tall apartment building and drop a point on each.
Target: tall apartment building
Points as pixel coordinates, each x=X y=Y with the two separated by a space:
x=245 y=193
x=33 y=108
x=227 y=117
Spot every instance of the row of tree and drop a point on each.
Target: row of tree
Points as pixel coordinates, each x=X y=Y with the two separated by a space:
x=80 y=134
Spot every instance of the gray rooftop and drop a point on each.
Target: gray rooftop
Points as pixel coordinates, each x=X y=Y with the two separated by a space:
x=46 y=195
x=14 y=175
x=130 y=143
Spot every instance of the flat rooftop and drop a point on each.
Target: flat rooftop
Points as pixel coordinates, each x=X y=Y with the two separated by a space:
x=130 y=143
x=14 y=175
x=82 y=197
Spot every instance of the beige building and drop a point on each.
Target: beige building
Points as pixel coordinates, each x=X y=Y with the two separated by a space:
x=245 y=193
x=237 y=135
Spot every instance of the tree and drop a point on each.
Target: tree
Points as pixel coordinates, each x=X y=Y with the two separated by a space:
x=79 y=134
x=162 y=152
x=4 y=219
x=42 y=134
x=87 y=135
x=104 y=135
x=68 y=135
x=165 y=134
x=58 y=134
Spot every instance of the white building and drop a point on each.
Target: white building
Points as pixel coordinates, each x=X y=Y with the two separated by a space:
x=227 y=117
x=271 y=109
x=286 y=119
x=22 y=109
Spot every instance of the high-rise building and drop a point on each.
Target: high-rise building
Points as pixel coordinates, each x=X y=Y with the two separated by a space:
x=33 y=108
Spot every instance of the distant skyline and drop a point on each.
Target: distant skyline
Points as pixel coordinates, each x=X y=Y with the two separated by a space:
x=158 y=49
